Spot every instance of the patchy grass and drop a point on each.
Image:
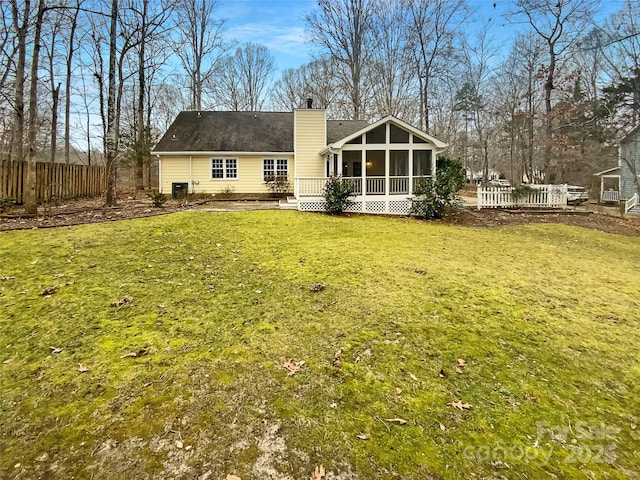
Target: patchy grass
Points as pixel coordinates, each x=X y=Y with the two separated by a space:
x=545 y=318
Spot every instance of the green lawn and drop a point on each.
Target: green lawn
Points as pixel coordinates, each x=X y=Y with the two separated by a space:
x=545 y=320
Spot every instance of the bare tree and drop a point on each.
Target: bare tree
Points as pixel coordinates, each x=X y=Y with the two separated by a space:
x=111 y=130
x=71 y=48
x=314 y=80
x=432 y=28
x=30 y=194
x=241 y=78
x=20 y=26
x=199 y=43
x=391 y=60
x=473 y=97
x=558 y=23
x=343 y=29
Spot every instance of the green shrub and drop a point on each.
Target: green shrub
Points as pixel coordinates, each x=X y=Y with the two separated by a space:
x=158 y=199
x=521 y=192
x=5 y=202
x=436 y=198
x=337 y=194
x=278 y=184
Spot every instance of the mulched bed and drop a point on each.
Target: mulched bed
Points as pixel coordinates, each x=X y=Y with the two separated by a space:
x=472 y=217
x=77 y=212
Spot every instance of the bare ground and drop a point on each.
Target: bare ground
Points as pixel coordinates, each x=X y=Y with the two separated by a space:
x=83 y=211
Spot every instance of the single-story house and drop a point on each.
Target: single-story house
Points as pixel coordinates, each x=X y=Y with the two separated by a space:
x=244 y=152
x=621 y=182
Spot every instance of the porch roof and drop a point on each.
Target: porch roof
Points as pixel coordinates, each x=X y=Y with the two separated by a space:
x=609 y=171
x=389 y=118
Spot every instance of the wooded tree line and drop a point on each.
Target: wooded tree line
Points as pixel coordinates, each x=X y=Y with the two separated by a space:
x=100 y=80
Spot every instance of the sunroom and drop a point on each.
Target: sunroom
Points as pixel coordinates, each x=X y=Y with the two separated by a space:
x=383 y=161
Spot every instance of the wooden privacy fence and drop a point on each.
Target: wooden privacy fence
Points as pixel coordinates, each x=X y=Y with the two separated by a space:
x=53 y=180
x=542 y=196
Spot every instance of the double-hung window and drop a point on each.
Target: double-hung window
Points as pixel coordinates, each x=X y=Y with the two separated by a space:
x=224 y=168
x=275 y=168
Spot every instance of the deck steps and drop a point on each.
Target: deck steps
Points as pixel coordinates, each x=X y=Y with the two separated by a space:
x=291 y=203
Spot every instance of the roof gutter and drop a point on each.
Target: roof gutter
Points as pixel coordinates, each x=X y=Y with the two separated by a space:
x=196 y=153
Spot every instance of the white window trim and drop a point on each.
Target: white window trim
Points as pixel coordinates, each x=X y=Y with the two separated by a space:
x=224 y=169
x=275 y=167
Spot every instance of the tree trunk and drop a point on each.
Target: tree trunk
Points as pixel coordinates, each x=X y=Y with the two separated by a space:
x=67 y=86
x=111 y=139
x=17 y=141
x=141 y=140
x=54 y=124
x=30 y=194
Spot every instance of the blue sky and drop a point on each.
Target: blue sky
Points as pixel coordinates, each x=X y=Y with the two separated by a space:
x=279 y=24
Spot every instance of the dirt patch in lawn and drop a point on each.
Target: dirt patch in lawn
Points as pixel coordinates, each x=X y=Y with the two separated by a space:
x=128 y=206
x=84 y=211
x=471 y=217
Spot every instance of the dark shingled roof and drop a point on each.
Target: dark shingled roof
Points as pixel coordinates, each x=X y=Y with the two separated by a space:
x=241 y=132
x=229 y=132
x=339 y=129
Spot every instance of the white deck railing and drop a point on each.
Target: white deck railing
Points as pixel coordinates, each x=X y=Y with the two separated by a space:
x=313 y=186
x=632 y=203
x=375 y=185
x=544 y=196
x=610 y=196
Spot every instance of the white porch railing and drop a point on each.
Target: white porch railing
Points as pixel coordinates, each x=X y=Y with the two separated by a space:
x=398 y=185
x=356 y=184
x=632 y=203
x=610 y=196
x=544 y=196
x=310 y=187
x=375 y=185
x=313 y=186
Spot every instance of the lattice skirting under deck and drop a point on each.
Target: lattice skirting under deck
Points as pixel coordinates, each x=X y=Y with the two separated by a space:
x=393 y=207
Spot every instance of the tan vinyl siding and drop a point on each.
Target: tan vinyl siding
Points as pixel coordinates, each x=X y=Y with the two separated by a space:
x=173 y=169
x=309 y=139
x=176 y=169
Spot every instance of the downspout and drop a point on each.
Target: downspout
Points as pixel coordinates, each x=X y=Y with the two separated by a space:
x=159 y=173
x=191 y=173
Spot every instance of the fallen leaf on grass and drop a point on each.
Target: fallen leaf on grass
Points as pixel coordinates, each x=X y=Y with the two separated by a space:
x=8 y=278
x=399 y=421
x=442 y=373
x=49 y=291
x=232 y=477
x=512 y=402
x=461 y=406
x=337 y=363
x=413 y=377
x=442 y=427
x=461 y=362
x=55 y=350
x=420 y=272
x=123 y=301
x=179 y=444
x=129 y=354
x=58 y=275
x=458 y=370
x=316 y=287
x=82 y=368
x=293 y=367
x=633 y=426
x=362 y=437
x=398 y=391
x=318 y=473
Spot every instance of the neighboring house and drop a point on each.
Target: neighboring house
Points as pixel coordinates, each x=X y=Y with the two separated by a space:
x=476 y=177
x=214 y=152
x=621 y=182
